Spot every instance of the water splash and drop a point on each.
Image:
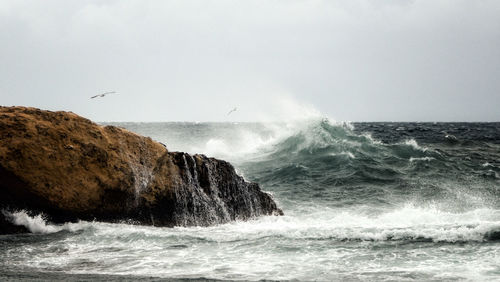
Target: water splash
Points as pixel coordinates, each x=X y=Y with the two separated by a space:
x=38 y=224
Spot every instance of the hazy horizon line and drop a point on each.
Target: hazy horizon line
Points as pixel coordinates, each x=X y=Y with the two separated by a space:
x=280 y=121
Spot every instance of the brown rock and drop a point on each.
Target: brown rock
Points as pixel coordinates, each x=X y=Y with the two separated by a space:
x=70 y=168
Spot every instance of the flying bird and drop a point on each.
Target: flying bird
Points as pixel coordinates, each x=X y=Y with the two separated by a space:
x=103 y=94
x=233 y=110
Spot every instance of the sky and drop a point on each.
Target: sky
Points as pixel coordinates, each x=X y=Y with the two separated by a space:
x=349 y=60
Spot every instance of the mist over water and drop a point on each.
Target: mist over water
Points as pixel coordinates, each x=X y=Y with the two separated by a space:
x=362 y=201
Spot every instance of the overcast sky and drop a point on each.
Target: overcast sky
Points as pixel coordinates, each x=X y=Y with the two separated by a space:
x=352 y=60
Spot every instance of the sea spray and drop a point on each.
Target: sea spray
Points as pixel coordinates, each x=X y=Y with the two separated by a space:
x=38 y=223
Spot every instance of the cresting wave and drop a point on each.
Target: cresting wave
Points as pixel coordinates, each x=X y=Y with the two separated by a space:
x=38 y=224
x=243 y=141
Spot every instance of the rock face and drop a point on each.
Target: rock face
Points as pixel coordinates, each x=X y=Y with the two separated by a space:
x=70 y=168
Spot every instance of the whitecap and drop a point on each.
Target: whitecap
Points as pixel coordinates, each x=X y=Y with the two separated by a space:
x=413 y=143
x=425 y=159
x=38 y=224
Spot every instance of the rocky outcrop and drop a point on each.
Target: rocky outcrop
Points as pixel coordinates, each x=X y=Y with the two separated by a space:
x=69 y=168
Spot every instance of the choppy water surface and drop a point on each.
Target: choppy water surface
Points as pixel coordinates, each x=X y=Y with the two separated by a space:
x=367 y=201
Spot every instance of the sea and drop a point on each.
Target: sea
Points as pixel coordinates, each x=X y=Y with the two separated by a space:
x=369 y=201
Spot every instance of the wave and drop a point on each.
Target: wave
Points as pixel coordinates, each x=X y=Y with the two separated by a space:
x=240 y=141
x=328 y=147
x=425 y=159
x=38 y=224
x=409 y=223
x=237 y=144
x=412 y=143
x=312 y=136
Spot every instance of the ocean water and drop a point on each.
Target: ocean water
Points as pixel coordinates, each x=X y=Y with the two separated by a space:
x=362 y=202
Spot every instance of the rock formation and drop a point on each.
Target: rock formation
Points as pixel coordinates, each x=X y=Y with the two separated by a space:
x=69 y=168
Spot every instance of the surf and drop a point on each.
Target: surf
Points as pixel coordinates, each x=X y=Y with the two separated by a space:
x=361 y=200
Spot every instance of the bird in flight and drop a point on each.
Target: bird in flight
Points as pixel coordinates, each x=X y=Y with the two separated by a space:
x=233 y=110
x=103 y=94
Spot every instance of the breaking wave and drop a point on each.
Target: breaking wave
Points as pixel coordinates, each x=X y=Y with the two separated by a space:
x=409 y=223
x=38 y=224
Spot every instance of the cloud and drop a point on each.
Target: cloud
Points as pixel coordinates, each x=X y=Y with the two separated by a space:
x=190 y=60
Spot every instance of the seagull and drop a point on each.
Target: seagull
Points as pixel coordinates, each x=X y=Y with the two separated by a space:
x=103 y=94
x=233 y=110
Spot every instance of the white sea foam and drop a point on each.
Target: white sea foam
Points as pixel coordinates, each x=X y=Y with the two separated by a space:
x=242 y=143
x=349 y=154
x=372 y=140
x=425 y=159
x=344 y=153
x=37 y=223
x=313 y=244
x=413 y=143
x=406 y=223
x=247 y=142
